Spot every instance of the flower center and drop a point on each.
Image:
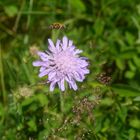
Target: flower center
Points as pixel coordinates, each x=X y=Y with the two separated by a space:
x=65 y=62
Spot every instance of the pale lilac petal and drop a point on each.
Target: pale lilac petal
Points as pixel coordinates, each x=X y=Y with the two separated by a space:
x=49 y=53
x=71 y=48
x=43 y=73
x=59 y=84
x=42 y=69
x=65 y=43
x=39 y=63
x=51 y=43
x=69 y=77
x=51 y=75
x=51 y=46
x=77 y=51
x=73 y=84
x=58 y=45
x=83 y=63
x=85 y=71
x=70 y=86
x=70 y=43
x=78 y=77
x=62 y=87
x=43 y=56
x=84 y=58
x=69 y=82
x=52 y=86
x=81 y=74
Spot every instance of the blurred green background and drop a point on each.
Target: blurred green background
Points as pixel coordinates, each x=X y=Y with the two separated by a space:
x=108 y=32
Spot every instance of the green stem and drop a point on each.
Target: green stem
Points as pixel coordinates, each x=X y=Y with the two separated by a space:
x=34 y=13
x=62 y=98
x=19 y=16
x=2 y=79
x=29 y=15
x=62 y=101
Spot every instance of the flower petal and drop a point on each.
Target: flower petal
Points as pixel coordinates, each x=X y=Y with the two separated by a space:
x=39 y=63
x=71 y=49
x=65 y=42
x=42 y=69
x=73 y=84
x=85 y=71
x=51 y=75
x=61 y=85
x=52 y=86
x=70 y=43
x=84 y=58
x=43 y=73
x=51 y=46
x=43 y=56
x=78 y=77
x=58 y=45
x=77 y=51
x=83 y=63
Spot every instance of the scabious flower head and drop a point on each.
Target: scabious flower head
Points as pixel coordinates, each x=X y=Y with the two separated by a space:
x=62 y=63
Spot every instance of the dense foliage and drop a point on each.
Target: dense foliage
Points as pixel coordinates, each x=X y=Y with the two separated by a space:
x=106 y=105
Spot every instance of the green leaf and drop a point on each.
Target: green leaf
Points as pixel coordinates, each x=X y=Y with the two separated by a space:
x=136 y=60
x=135 y=123
x=42 y=99
x=137 y=99
x=131 y=65
x=11 y=10
x=99 y=26
x=77 y=5
x=107 y=102
x=106 y=125
x=28 y=101
x=132 y=134
x=127 y=54
x=130 y=38
x=122 y=113
x=126 y=90
x=32 y=125
x=120 y=64
x=129 y=74
x=138 y=8
x=136 y=22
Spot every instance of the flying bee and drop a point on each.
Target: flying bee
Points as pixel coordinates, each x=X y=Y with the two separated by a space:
x=57 y=26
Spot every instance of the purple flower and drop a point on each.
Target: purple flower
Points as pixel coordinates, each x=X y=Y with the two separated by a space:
x=61 y=64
